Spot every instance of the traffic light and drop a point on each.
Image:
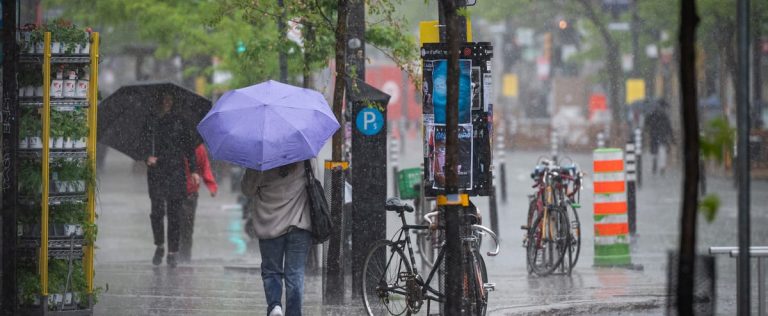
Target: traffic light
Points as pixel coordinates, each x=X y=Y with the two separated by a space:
x=240 y=47
x=567 y=33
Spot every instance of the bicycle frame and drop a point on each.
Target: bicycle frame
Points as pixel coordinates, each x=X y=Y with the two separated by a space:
x=403 y=241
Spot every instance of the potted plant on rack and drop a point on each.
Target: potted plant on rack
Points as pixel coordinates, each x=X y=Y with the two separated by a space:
x=68 y=125
x=75 y=40
x=70 y=176
x=25 y=84
x=37 y=38
x=30 y=80
x=30 y=179
x=79 y=129
x=27 y=44
x=85 y=49
x=57 y=129
x=57 y=35
x=26 y=129
x=29 y=129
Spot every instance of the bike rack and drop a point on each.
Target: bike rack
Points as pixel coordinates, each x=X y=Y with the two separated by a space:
x=758 y=252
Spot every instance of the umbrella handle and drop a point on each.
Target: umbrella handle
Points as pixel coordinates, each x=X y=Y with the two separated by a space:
x=152 y=131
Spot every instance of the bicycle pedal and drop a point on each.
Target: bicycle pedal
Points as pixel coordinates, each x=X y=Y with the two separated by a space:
x=489 y=286
x=524 y=227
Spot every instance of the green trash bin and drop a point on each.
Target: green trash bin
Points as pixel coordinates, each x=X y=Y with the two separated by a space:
x=406 y=180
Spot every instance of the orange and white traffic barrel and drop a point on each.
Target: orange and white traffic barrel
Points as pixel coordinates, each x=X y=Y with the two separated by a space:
x=610 y=208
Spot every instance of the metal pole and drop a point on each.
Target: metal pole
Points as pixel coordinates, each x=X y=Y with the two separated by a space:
x=631 y=189
x=393 y=160
x=743 y=297
x=639 y=155
x=493 y=211
x=600 y=140
x=554 y=146
x=453 y=213
x=760 y=287
x=10 y=143
x=501 y=158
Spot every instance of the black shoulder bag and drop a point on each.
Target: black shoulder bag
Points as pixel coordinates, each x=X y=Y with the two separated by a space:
x=318 y=207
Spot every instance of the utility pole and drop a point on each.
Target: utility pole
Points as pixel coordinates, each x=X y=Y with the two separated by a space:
x=743 y=122
x=10 y=142
x=454 y=263
x=364 y=201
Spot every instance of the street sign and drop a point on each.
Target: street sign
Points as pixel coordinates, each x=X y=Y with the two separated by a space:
x=618 y=26
x=369 y=121
x=510 y=85
x=635 y=90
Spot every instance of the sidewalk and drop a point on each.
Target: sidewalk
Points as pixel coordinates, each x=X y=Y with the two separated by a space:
x=206 y=287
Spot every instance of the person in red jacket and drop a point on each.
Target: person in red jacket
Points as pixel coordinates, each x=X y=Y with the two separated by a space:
x=189 y=205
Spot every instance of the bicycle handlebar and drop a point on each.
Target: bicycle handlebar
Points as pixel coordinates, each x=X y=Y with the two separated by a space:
x=493 y=235
x=428 y=217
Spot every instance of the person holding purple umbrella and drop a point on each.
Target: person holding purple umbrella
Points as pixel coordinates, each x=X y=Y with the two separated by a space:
x=272 y=128
x=281 y=220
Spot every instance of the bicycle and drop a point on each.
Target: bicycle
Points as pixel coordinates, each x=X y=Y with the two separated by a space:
x=393 y=285
x=550 y=234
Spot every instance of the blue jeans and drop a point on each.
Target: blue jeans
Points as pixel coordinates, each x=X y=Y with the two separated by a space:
x=293 y=247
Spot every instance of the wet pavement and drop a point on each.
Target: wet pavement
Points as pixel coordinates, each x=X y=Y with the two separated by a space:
x=223 y=279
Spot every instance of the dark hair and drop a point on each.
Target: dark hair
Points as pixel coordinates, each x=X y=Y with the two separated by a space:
x=285 y=170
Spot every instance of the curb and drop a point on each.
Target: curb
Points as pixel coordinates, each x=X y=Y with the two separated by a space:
x=583 y=307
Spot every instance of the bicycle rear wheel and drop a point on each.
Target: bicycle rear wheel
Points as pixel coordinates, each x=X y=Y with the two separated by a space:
x=384 y=286
x=547 y=247
x=575 y=243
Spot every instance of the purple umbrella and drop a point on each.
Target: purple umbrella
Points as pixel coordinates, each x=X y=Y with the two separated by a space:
x=268 y=125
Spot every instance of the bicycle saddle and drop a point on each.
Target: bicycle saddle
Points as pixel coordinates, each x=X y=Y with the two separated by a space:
x=396 y=205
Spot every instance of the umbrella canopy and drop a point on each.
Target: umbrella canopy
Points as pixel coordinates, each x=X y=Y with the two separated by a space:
x=268 y=125
x=123 y=116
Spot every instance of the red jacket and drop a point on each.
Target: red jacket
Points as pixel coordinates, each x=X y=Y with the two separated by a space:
x=203 y=169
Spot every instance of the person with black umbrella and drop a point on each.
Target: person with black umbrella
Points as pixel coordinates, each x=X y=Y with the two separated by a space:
x=172 y=142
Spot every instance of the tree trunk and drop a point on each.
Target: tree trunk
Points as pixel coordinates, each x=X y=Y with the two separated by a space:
x=282 y=57
x=615 y=82
x=341 y=71
x=690 y=120
x=309 y=42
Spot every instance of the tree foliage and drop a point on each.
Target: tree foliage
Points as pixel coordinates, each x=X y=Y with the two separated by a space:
x=200 y=29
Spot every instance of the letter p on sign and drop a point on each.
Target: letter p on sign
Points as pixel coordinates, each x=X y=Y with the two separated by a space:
x=369 y=121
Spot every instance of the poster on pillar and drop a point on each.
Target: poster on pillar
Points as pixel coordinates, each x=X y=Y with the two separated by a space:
x=436 y=144
x=474 y=130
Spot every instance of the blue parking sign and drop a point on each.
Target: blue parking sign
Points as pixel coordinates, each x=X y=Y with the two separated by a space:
x=369 y=121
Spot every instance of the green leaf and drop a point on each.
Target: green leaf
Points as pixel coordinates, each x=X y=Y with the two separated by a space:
x=708 y=206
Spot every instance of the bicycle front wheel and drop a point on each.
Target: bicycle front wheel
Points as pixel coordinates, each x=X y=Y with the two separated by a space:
x=384 y=286
x=479 y=277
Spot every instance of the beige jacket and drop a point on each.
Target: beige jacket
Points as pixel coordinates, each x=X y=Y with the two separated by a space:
x=276 y=203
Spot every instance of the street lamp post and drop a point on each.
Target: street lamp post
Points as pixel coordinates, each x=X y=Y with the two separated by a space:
x=743 y=297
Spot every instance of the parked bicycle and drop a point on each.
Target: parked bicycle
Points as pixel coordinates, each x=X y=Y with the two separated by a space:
x=552 y=232
x=392 y=285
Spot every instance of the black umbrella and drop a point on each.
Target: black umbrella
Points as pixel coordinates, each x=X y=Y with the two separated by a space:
x=123 y=116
